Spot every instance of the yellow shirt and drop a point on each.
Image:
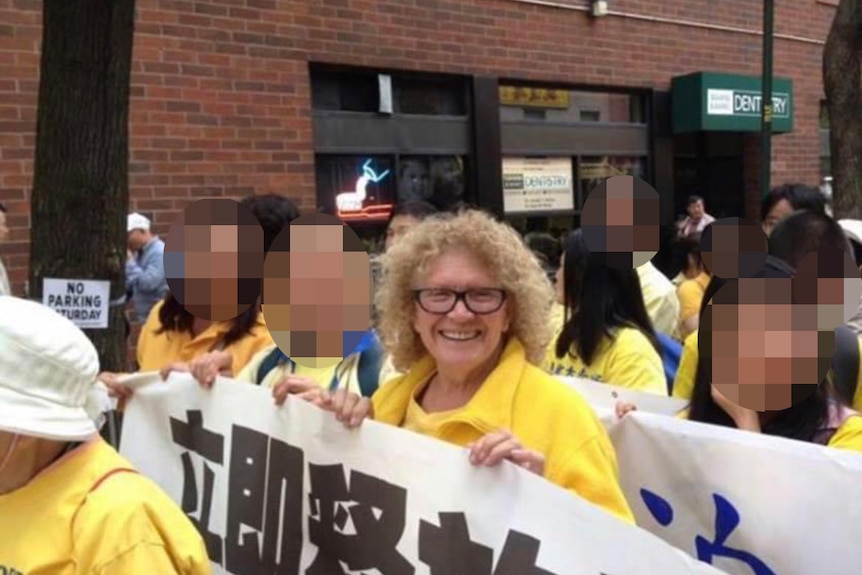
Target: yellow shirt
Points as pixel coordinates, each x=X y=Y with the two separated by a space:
x=629 y=361
x=690 y=294
x=156 y=350
x=79 y=518
x=660 y=299
x=322 y=376
x=686 y=371
x=848 y=435
x=542 y=412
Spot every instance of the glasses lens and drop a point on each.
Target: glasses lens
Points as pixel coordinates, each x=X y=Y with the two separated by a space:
x=484 y=300
x=437 y=300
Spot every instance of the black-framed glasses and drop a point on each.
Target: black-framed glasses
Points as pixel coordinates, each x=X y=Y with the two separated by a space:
x=440 y=301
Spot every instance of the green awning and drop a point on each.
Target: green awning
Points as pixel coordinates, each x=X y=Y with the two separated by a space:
x=707 y=101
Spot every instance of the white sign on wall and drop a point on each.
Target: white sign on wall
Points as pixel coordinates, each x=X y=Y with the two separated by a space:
x=537 y=185
x=744 y=103
x=85 y=302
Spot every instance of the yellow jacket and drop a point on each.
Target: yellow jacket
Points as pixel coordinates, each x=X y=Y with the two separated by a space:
x=156 y=350
x=90 y=513
x=542 y=412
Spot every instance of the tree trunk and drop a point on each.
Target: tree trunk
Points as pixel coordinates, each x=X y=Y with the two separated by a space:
x=842 y=80
x=80 y=181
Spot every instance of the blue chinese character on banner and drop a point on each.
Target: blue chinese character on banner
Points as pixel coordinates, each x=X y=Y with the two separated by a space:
x=726 y=521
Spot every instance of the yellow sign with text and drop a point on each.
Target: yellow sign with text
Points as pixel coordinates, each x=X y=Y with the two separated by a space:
x=523 y=96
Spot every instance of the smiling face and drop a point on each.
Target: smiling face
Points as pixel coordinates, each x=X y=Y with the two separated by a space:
x=460 y=340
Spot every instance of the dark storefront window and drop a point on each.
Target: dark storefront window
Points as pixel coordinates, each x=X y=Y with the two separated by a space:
x=363 y=189
x=358 y=90
x=593 y=170
x=430 y=96
x=346 y=91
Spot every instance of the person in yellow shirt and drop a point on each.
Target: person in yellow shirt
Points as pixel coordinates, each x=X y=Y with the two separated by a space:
x=360 y=372
x=172 y=338
x=690 y=291
x=823 y=417
x=464 y=313
x=70 y=504
x=608 y=338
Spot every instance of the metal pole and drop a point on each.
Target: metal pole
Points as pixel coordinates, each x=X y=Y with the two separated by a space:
x=766 y=100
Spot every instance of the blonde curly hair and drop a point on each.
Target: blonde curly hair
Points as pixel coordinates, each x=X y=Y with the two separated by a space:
x=503 y=252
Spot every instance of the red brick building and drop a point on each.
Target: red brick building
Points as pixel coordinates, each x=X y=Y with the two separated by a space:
x=233 y=97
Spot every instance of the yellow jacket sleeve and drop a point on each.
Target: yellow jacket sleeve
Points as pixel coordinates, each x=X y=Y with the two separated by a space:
x=686 y=372
x=849 y=435
x=591 y=472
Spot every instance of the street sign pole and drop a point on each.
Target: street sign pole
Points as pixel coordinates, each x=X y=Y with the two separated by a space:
x=766 y=100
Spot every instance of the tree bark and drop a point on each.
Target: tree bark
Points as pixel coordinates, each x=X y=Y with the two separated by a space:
x=842 y=80
x=80 y=182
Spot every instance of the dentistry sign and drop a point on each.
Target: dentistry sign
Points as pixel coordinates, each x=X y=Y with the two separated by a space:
x=744 y=103
x=708 y=102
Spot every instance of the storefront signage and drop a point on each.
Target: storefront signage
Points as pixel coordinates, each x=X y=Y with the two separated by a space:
x=356 y=205
x=728 y=103
x=524 y=96
x=744 y=103
x=537 y=185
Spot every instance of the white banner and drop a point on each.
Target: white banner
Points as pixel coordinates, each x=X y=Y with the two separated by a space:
x=290 y=490
x=747 y=503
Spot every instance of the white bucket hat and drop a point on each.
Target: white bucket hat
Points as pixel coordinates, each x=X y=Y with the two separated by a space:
x=48 y=370
x=137 y=221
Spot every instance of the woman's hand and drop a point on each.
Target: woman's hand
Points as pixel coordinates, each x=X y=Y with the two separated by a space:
x=175 y=366
x=206 y=368
x=115 y=388
x=349 y=408
x=495 y=447
x=744 y=418
x=623 y=408
x=302 y=387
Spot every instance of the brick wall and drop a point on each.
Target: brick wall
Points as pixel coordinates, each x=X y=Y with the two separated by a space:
x=221 y=96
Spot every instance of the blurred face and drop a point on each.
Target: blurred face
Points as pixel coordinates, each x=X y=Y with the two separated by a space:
x=779 y=211
x=398 y=227
x=695 y=210
x=4 y=230
x=762 y=351
x=137 y=240
x=460 y=339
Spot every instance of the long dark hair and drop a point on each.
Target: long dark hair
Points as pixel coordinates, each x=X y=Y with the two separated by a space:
x=802 y=421
x=174 y=318
x=611 y=299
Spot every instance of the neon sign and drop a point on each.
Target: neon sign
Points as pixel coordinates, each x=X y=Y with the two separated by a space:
x=351 y=205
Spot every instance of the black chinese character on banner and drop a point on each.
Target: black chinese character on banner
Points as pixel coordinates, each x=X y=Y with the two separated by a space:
x=448 y=550
x=210 y=446
x=263 y=503
x=359 y=525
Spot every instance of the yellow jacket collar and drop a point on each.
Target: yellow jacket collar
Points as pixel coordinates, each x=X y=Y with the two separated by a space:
x=490 y=408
